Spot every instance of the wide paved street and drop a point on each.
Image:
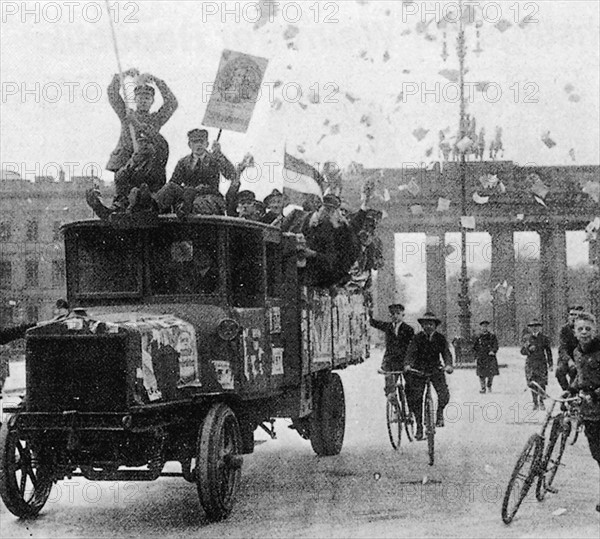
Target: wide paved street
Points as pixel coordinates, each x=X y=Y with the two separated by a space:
x=369 y=490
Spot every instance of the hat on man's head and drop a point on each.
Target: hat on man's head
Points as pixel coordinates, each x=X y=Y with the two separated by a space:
x=245 y=196
x=144 y=89
x=535 y=322
x=396 y=307
x=332 y=201
x=62 y=304
x=577 y=308
x=275 y=193
x=197 y=135
x=429 y=317
x=484 y=323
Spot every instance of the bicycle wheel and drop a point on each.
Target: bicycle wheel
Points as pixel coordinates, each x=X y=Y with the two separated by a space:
x=407 y=417
x=524 y=472
x=559 y=434
x=429 y=419
x=394 y=422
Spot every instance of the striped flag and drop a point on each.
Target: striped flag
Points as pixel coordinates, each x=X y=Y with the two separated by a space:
x=300 y=176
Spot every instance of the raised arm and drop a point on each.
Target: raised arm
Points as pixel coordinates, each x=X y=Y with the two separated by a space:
x=170 y=103
x=114 y=97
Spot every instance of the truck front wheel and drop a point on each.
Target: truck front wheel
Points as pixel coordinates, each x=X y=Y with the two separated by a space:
x=328 y=418
x=219 y=462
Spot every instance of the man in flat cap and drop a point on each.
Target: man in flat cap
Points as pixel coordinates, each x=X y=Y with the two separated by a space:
x=194 y=186
x=486 y=348
x=565 y=365
x=536 y=347
x=425 y=353
x=274 y=203
x=398 y=335
x=142 y=120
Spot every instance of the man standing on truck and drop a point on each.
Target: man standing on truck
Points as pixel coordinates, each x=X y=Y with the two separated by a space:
x=425 y=353
x=398 y=335
x=142 y=120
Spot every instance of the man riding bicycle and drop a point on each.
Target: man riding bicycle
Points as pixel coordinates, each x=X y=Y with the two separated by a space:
x=424 y=354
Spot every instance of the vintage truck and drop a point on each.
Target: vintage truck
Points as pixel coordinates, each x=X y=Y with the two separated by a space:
x=183 y=338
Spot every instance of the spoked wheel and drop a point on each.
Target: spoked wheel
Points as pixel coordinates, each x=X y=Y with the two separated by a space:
x=25 y=483
x=328 y=419
x=393 y=416
x=218 y=467
x=524 y=473
x=408 y=418
x=429 y=417
x=559 y=434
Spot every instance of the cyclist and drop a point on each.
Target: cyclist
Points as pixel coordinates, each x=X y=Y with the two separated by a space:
x=398 y=335
x=425 y=353
x=587 y=360
x=565 y=366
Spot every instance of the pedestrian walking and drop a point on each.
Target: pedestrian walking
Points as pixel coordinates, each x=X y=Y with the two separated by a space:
x=536 y=346
x=486 y=348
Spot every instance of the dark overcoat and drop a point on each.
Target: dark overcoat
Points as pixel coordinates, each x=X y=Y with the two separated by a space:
x=487 y=364
x=539 y=358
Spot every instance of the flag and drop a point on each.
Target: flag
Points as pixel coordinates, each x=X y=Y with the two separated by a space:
x=304 y=178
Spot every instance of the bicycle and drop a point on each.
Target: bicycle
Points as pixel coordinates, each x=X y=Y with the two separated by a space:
x=397 y=413
x=429 y=413
x=539 y=459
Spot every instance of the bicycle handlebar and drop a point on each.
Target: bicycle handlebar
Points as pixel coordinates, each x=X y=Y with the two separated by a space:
x=381 y=371
x=539 y=389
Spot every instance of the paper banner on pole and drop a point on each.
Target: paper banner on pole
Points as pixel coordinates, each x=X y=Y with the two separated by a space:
x=468 y=221
x=235 y=92
x=443 y=204
x=478 y=199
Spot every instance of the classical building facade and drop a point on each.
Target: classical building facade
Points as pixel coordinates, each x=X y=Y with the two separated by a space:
x=32 y=267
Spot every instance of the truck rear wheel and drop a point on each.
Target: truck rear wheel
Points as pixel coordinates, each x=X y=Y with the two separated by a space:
x=328 y=419
x=218 y=467
x=25 y=483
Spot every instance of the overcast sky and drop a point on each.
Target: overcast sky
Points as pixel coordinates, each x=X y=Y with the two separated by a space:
x=359 y=55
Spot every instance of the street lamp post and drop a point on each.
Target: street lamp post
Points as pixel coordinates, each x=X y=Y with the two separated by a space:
x=463 y=345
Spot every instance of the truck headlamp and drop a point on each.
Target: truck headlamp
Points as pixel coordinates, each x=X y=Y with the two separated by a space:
x=228 y=329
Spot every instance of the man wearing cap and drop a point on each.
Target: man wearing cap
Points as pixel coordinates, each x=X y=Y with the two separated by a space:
x=425 y=353
x=142 y=119
x=274 y=203
x=398 y=335
x=194 y=186
x=587 y=360
x=565 y=365
x=247 y=207
x=536 y=347
x=486 y=348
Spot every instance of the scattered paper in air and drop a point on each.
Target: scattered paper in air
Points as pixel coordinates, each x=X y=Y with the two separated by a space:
x=413 y=188
x=416 y=209
x=547 y=140
x=592 y=189
x=467 y=221
x=478 y=199
x=443 y=204
x=420 y=133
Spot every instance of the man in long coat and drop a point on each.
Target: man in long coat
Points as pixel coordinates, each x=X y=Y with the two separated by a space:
x=486 y=347
x=536 y=346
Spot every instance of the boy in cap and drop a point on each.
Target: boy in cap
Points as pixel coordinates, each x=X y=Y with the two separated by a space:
x=565 y=365
x=142 y=120
x=536 y=347
x=398 y=335
x=587 y=360
x=194 y=186
x=425 y=353
x=485 y=348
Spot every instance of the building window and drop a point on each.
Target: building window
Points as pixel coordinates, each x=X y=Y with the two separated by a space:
x=5 y=231
x=56 y=233
x=32 y=230
x=58 y=273
x=31 y=273
x=5 y=274
x=33 y=313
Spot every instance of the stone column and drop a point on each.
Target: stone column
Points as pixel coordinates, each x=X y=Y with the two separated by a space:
x=436 y=276
x=553 y=280
x=385 y=287
x=503 y=269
